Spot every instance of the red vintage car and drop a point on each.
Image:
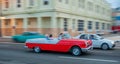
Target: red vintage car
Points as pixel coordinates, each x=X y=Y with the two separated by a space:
x=74 y=46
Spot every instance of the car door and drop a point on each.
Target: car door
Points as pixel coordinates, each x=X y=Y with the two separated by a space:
x=95 y=41
x=63 y=46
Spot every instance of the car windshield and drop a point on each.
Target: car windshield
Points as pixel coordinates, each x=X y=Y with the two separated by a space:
x=66 y=35
x=98 y=37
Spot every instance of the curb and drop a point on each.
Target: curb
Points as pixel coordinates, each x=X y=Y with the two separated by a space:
x=10 y=43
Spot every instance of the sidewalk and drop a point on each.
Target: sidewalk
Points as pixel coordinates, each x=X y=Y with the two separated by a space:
x=6 y=39
x=111 y=35
x=115 y=38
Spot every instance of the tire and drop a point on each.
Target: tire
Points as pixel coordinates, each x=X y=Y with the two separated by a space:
x=15 y=40
x=76 y=51
x=104 y=46
x=36 y=49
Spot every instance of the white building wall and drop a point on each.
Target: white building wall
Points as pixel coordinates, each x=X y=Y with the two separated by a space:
x=74 y=10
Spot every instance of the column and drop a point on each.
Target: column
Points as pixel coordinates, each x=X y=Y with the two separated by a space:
x=94 y=27
x=86 y=26
x=25 y=24
x=2 y=27
x=61 y=24
x=70 y=30
x=13 y=25
x=53 y=24
x=100 y=26
x=39 y=24
x=70 y=24
x=73 y=25
x=76 y=25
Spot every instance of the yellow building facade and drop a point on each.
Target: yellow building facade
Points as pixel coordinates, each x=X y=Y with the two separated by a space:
x=55 y=16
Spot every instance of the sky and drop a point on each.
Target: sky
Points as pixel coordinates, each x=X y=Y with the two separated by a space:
x=114 y=3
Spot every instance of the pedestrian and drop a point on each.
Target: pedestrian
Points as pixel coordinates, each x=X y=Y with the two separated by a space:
x=60 y=36
x=47 y=37
x=51 y=37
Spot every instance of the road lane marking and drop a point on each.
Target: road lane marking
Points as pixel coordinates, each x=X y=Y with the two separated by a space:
x=90 y=59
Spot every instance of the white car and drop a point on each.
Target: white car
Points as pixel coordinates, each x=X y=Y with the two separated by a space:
x=98 y=41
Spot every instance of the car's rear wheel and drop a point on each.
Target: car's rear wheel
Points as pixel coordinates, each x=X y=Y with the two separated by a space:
x=104 y=46
x=15 y=40
x=76 y=51
x=37 y=49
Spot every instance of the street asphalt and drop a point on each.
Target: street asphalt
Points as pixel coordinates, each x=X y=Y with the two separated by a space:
x=17 y=54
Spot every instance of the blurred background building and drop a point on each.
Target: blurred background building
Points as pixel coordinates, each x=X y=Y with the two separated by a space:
x=116 y=16
x=0 y=17
x=55 y=16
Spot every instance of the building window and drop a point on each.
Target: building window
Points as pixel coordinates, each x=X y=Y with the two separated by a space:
x=60 y=0
x=108 y=12
x=97 y=7
x=31 y=2
x=66 y=1
x=65 y=25
x=17 y=23
x=97 y=25
x=80 y=25
x=29 y=22
x=90 y=6
x=18 y=3
x=6 y=3
x=7 y=22
x=103 y=10
x=103 y=26
x=81 y=3
x=108 y=26
x=89 y=25
x=46 y=2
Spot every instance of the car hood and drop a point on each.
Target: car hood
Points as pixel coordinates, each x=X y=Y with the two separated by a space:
x=108 y=41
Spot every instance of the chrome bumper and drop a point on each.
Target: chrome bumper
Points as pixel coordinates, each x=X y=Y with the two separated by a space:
x=113 y=46
x=25 y=46
x=87 y=49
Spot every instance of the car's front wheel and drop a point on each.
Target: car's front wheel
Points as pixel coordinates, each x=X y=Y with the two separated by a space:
x=76 y=51
x=37 y=49
x=104 y=46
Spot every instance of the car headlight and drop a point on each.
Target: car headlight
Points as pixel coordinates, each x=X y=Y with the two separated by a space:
x=113 y=42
